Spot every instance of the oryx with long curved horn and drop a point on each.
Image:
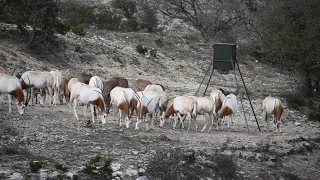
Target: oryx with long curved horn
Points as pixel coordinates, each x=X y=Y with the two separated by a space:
x=124 y=100
x=148 y=103
x=11 y=85
x=88 y=95
x=38 y=80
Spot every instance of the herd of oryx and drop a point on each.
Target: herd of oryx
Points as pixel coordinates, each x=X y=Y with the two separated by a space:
x=145 y=100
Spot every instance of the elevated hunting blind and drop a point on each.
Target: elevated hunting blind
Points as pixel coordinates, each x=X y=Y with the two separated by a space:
x=224 y=58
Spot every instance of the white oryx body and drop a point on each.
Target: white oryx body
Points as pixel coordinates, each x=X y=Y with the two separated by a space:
x=96 y=81
x=218 y=98
x=205 y=107
x=181 y=105
x=88 y=95
x=148 y=103
x=154 y=87
x=12 y=86
x=124 y=99
x=71 y=82
x=57 y=76
x=38 y=80
x=272 y=106
x=228 y=109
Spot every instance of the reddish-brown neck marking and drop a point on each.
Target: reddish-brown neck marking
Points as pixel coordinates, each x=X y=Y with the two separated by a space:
x=170 y=111
x=24 y=85
x=218 y=105
x=225 y=111
x=124 y=107
x=277 y=111
x=99 y=102
x=18 y=94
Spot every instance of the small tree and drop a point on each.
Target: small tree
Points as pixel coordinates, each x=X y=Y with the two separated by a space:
x=39 y=14
x=289 y=33
x=149 y=19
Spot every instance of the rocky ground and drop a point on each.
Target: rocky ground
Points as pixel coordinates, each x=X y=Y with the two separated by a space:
x=52 y=136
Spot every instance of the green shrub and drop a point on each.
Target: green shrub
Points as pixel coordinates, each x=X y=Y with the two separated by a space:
x=296 y=100
x=35 y=166
x=149 y=18
x=191 y=37
x=159 y=42
x=61 y=167
x=61 y=27
x=141 y=49
x=105 y=172
x=225 y=166
x=79 y=30
x=106 y=19
x=314 y=114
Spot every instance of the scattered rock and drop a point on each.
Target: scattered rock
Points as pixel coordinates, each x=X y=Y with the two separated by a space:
x=135 y=152
x=248 y=155
x=131 y=172
x=297 y=124
x=15 y=176
x=142 y=178
x=141 y=170
x=227 y=153
x=259 y=157
x=115 y=166
x=271 y=164
x=53 y=175
x=118 y=174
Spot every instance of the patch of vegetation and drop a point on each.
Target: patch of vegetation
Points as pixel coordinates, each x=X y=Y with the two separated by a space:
x=225 y=166
x=61 y=27
x=61 y=167
x=291 y=176
x=159 y=42
x=191 y=38
x=141 y=49
x=79 y=30
x=8 y=150
x=35 y=166
x=296 y=100
x=99 y=167
x=314 y=114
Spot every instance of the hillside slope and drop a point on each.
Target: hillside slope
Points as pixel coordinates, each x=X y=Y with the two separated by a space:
x=180 y=66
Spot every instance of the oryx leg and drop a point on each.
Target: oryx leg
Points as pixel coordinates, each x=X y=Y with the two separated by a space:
x=207 y=119
x=189 y=121
x=92 y=112
x=137 y=123
x=175 y=119
x=10 y=101
x=50 y=90
x=75 y=104
x=31 y=95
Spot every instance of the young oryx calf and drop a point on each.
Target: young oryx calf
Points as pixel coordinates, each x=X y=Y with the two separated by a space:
x=57 y=76
x=148 y=102
x=272 y=106
x=12 y=86
x=205 y=107
x=181 y=105
x=124 y=100
x=38 y=80
x=229 y=108
x=88 y=95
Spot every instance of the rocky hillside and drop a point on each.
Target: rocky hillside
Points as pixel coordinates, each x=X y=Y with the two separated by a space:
x=52 y=136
